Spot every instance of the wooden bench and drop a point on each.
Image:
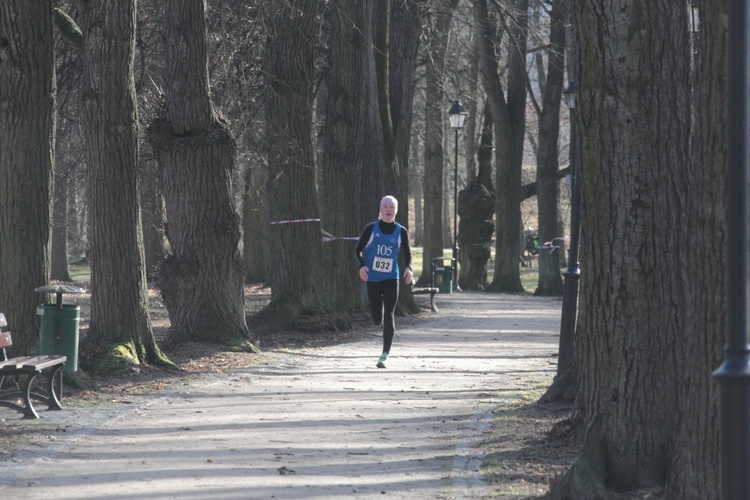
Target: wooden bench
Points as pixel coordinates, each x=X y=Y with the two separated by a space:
x=423 y=291
x=20 y=372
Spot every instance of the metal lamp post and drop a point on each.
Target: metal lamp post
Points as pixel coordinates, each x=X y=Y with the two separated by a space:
x=733 y=376
x=457 y=116
x=573 y=272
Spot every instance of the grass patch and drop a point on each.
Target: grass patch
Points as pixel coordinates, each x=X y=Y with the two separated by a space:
x=80 y=272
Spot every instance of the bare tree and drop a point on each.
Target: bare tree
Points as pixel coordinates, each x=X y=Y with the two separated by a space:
x=439 y=22
x=202 y=280
x=120 y=322
x=296 y=270
x=694 y=471
x=27 y=121
x=508 y=105
x=358 y=158
x=548 y=114
x=634 y=108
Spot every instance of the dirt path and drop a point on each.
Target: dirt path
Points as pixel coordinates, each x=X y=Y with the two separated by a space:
x=323 y=423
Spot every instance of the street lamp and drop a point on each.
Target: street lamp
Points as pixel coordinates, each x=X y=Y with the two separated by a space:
x=457 y=116
x=733 y=376
x=695 y=20
x=573 y=272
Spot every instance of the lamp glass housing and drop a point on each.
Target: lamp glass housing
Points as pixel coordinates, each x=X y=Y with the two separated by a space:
x=695 y=19
x=570 y=95
x=457 y=115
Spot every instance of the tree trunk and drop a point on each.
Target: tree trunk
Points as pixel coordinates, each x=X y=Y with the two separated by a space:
x=152 y=217
x=59 y=269
x=201 y=282
x=255 y=226
x=119 y=302
x=635 y=176
x=434 y=138
x=27 y=122
x=550 y=280
x=359 y=165
x=403 y=46
x=509 y=115
x=416 y=186
x=695 y=470
x=476 y=207
x=343 y=163
x=380 y=167
x=296 y=265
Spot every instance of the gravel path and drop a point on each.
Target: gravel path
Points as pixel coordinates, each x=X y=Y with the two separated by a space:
x=324 y=423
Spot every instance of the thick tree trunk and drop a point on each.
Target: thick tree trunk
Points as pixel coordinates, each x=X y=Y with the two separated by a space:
x=119 y=304
x=296 y=263
x=380 y=167
x=509 y=115
x=695 y=470
x=633 y=271
x=201 y=281
x=403 y=46
x=434 y=138
x=27 y=122
x=550 y=280
x=343 y=162
x=476 y=208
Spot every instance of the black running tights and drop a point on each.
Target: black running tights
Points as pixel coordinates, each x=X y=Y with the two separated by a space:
x=383 y=296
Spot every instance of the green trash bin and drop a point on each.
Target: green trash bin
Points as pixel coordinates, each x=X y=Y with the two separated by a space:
x=442 y=276
x=60 y=338
x=58 y=333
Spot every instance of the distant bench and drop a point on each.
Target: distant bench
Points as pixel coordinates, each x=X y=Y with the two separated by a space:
x=30 y=367
x=423 y=291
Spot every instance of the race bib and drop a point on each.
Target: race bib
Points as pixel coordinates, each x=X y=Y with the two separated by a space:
x=382 y=265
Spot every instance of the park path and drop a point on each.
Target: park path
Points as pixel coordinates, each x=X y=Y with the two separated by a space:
x=324 y=423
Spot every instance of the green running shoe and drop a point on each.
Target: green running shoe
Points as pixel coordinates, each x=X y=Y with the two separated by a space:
x=382 y=360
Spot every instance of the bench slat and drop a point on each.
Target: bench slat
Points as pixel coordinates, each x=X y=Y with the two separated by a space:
x=13 y=364
x=42 y=362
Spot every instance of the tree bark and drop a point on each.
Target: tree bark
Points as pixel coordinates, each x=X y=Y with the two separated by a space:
x=255 y=226
x=509 y=115
x=201 y=282
x=59 y=269
x=152 y=217
x=27 y=123
x=403 y=46
x=343 y=162
x=359 y=165
x=434 y=138
x=630 y=339
x=296 y=265
x=550 y=280
x=695 y=472
x=119 y=303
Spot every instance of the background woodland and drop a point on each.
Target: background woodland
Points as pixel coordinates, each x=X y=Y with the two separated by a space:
x=159 y=141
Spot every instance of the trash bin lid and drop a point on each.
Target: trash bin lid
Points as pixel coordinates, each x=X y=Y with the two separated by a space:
x=59 y=289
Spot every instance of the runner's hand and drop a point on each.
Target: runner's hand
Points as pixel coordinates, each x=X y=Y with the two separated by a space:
x=363 y=273
x=408 y=276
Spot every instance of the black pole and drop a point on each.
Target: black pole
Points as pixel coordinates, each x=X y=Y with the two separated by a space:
x=733 y=375
x=455 y=219
x=573 y=272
